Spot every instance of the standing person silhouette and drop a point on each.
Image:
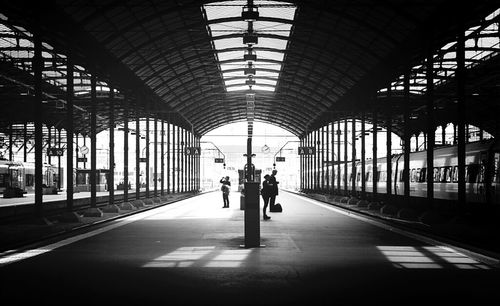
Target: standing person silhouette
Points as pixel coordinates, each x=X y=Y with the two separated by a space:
x=273 y=189
x=226 y=186
x=266 y=194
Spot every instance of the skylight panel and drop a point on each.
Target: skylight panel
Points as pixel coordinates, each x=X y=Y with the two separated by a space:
x=226 y=43
x=269 y=55
x=246 y=36
x=230 y=55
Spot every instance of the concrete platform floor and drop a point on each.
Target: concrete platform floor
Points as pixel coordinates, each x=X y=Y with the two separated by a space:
x=189 y=253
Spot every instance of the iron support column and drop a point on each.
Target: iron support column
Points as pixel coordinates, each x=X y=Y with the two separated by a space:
x=155 y=154
x=69 y=132
x=389 y=154
x=162 y=159
x=38 y=116
x=374 y=161
x=111 y=177
x=338 y=157
x=461 y=111
x=406 y=139
x=353 y=157
x=345 y=158
x=137 y=152
x=332 y=139
x=430 y=127
x=125 y=151
x=169 y=146
x=327 y=155
x=363 y=156
x=147 y=150
x=93 y=150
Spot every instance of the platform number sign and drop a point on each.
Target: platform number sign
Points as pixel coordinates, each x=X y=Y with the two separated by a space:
x=55 y=152
x=307 y=150
x=193 y=150
x=280 y=159
x=219 y=160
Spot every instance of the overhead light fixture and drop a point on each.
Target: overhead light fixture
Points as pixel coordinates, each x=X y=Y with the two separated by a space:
x=250 y=56
x=250 y=13
x=250 y=70
x=250 y=39
x=250 y=82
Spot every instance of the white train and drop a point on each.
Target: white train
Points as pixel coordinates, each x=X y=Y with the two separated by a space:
x=20 y=176
x=482 y=173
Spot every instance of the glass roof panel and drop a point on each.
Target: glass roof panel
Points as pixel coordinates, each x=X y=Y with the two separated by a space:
x=230 y=55
x=269 y=55
x=273 y=35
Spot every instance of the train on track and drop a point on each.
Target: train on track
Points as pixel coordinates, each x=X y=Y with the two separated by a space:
x=18 y=178
x=482 y=173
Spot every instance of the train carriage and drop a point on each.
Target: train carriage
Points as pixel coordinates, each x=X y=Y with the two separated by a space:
x=482 y=173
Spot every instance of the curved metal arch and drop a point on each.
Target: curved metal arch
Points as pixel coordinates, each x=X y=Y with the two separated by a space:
x=243 y=120
x=297 y=107
x=303 y=98
x=146 y=80
x=294 y=108
x=243 y=48
x=206 y=126
x=197 y=68
x=202 y=95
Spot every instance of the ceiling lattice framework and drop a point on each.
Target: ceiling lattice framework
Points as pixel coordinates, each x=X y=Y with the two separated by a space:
x=160 y=57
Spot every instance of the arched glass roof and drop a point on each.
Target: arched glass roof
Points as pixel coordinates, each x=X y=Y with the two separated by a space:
x=272 y=29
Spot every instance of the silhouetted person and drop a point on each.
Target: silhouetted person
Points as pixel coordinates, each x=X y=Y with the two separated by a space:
x=273 y=189
x=226 y=186
x=266 y=194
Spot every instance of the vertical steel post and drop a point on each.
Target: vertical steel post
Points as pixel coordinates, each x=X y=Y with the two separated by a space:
x=137 y=152
x=374 y=161
x=147 y=150
x=339 y=131
x=25 y=147
x=169 y=147
x=162 y=159
x=430 y=127
x=389 y=154
x=155 y=153
x=363 y=156
x=332 y=139
x=38 y=115
x=125 y=150
x=327 y=155
x=461 y=113
x=93 y=149
x=353 y=157
x=406 y=139
x=111 y=177
x=69 y=131
x=346 y=158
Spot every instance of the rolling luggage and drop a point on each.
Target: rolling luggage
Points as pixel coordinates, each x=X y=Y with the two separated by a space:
x=276 y=208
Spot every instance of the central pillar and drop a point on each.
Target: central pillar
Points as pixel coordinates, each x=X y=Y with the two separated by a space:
x=252 y=204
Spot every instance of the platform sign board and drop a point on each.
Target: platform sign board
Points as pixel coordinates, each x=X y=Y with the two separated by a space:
x=55 y=152
x=280 y=159
x=219 y=160
x=81 y=159
x=307 y=151
x=193 y=150
x=143 y=159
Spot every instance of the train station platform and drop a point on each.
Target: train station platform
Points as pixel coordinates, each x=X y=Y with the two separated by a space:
x=190 y=253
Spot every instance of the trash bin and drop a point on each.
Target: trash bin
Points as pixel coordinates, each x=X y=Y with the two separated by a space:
x=242 y=202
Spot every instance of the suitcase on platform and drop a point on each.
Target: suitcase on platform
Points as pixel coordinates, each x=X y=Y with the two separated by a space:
x=277 y=208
